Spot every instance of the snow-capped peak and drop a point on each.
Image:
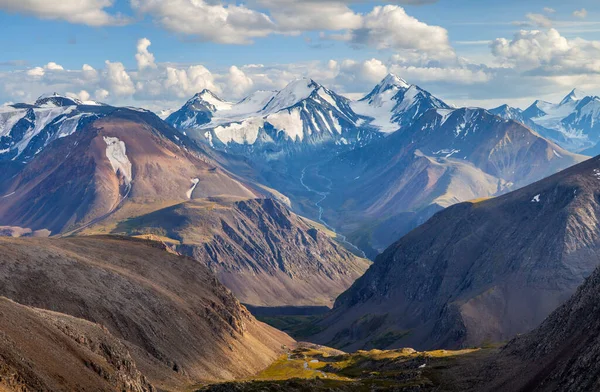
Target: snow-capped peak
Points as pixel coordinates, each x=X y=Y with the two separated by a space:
x=574 y=95
x=296 y=91
x=391 y=84
x=208 y=97
x=56 y=100
x=393 y=80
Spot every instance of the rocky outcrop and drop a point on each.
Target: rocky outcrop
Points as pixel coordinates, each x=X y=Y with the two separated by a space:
x=267 y=255
x=47 y=351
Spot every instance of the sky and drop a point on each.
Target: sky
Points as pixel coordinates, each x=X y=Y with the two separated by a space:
x=156 y=54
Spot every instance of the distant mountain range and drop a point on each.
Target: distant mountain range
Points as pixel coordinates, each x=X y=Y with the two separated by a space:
x=574 y=123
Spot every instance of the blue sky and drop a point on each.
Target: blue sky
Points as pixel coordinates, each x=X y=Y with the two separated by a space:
x=462 y=31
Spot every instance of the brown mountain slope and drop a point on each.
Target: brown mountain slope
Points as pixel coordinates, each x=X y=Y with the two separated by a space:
x=125 y=157
x=180 y=325
x=265 y=254
x=46 y=351
x=477 y=272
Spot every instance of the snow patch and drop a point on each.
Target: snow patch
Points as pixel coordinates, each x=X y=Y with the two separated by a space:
x=288 y=122
x=536 y=198
x=116 y=152
x=240 y=133
x=195 y=182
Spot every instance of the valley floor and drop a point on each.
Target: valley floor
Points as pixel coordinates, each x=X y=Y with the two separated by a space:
x=317 y=368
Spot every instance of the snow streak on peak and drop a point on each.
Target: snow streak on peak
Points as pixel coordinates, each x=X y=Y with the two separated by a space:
x=56 y=100
x=293 y=93
x=210 y=98
x=574 y=95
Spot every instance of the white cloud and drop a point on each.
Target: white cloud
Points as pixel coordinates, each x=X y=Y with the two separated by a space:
x=385 y=27
x=548 y=53
x=539 y=20
x=238 y=83
x=88 y=12
x=89 y=73
x=209 y=21
x=183 y=83
x=350 y=72
x=144 y=58
x=582 y=13
x=82 y=95
x=101 y=94
x=118 y=80
x=36 y=72
x=294 y=15
x=549 y=10
x=52 y=66
x=390 y=27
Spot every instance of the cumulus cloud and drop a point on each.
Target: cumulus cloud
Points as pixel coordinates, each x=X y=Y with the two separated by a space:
x=294 y=15
x=117 y=79
x=209 y=21
x=41 y=71
x=238 y=83
x=390 y=27
x=186 y=82
x=351 y=72
x=582 y=13
x=386 y=27
x=548 y=53
x=144 y=58
x=89 y=72
x=101 y=94
x=52 y=66
x=88 y=12
x=36 y=72
x=82 y=95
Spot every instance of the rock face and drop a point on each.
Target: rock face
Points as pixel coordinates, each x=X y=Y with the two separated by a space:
x=127 y=156
x=561 y=354
x=47 y=351
x=267 y=255
x=447 y=156
x=178 y=323
x=477 y=272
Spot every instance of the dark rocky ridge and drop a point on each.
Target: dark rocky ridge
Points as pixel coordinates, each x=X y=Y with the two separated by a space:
x=478 y=272
x=267 y=255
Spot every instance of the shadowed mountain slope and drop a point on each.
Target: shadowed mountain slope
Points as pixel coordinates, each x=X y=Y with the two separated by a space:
x=478 y=271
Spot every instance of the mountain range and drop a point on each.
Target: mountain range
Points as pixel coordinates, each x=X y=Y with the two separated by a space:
x=404 y=155
x=572 y=123
x=486 y=221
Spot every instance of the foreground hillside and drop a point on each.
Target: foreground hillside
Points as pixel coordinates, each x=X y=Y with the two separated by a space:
x=477 y=272
x=47 y=351
x=266 y=255
x=177 y=323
